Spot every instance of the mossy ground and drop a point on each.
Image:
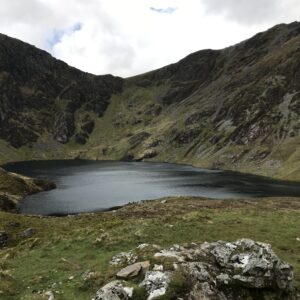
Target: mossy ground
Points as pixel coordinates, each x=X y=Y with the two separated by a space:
x=65 y=247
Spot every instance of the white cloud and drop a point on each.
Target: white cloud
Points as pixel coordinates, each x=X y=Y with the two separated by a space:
x=254 y=12
x=167 y=10
x=128 y=37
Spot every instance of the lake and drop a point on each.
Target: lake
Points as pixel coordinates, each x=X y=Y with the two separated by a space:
x=85 y=186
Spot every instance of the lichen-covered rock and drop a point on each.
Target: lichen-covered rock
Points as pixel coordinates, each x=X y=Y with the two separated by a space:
x=156 y=283
x=220 y=270
x=115 y=290
x=235 y=269
x=123 y=258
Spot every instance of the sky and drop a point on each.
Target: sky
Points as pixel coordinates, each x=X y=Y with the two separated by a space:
x=129 y=37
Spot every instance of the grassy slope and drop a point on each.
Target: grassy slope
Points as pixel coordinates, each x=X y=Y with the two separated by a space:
x=54 y=255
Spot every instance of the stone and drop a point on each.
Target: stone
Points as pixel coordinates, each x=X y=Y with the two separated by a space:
x=3 y=239
x=115 y=290
x=221 y=270
x=102 y=238
x=156 y=283
x=241 y=266
x=148 y=153
x=50 y=295
x=29 y=232
x=130 y=271
x=142 y=246
x=124 y=258
x=133 y=270
x=169 y=255
x=145 y=264
x=223 y=252
x=158 y=268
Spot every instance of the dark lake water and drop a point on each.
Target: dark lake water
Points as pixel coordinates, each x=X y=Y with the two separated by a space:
x=84 y=186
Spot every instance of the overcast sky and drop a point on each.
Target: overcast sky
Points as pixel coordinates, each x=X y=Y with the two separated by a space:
x=128 y=37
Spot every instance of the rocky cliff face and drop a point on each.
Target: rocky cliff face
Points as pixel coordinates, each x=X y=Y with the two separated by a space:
x=236 y=108
x=40 y=95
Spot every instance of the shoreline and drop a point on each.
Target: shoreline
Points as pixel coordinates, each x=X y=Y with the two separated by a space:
x=45 y=185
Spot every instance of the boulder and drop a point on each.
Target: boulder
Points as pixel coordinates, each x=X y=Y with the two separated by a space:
x=29 y=232
x=156 y=283
x=124 y=258
x=243 y=269
x=133 y=270
x=148 y=153
x=115 y=290
x=237 y=270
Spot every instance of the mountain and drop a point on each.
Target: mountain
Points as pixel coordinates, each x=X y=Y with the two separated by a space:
x=41 y=95
x=236 y=108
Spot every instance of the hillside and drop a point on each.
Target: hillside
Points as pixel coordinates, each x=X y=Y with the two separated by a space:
x=236 y=108
x=70 y=256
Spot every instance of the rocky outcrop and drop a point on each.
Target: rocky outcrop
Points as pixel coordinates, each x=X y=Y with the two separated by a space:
x=64 y=127
x=156 y=283
x=244 y=269
x=114 y=290
x=14 y=187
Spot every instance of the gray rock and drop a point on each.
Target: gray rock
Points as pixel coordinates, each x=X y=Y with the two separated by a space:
x=3 y=239
x=115 y=290
x=133 y=270
x=123 y=258
x=240 y=267
x=220 y=270
x=29 y=232
x=156 y=283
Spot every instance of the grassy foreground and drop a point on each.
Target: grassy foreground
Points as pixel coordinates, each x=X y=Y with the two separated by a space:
x=62 y=249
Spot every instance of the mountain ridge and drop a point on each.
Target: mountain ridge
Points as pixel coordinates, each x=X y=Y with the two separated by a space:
x=235 y=108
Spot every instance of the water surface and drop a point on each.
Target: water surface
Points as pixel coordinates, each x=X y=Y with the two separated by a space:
x=84 y=186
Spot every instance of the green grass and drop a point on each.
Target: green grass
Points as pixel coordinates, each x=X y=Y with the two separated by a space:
x=65 y=247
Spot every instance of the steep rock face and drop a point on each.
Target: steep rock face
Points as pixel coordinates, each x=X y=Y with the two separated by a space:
x=40 y=95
